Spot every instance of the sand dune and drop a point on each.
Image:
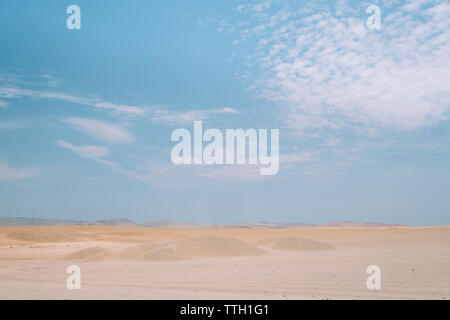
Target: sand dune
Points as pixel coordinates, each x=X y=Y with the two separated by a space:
x=44 y=234
x=170 y=250
x=212 y=246
x=186 y=249
x=294 y=244
x=88 y=254
x=224 y=263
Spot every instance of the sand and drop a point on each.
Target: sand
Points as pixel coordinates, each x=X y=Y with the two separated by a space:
x=124 y=262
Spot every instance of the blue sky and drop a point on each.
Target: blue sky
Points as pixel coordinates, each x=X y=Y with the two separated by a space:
x=86 y=115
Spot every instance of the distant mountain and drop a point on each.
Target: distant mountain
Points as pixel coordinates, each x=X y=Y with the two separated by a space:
x=352 y=224
x=12 y=221
x=113 y=222
x=266 y=224
x=262 y=224
x=171 y=224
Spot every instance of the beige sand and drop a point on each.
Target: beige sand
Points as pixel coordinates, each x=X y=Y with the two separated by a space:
x=163 y=263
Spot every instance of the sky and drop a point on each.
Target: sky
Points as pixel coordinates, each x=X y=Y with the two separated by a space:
x=86 y=115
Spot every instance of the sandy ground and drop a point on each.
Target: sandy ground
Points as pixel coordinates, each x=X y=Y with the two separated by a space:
x=157 y=263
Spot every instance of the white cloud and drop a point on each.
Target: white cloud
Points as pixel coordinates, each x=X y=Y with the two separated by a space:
x=102 y=130
x=14 y=92
x=51 y=80
x=261 y=6
x=90 y=101
x=155 y=114
x=130 y=110
x=328 y=71
x=8 y=92
x=180 y=118
x=88 y=152
x=9 y=173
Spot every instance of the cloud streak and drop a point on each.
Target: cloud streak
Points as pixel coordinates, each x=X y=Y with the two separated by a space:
x=88 y=152
x=327 y=71
x=14 y=92
x=102 y=130
x=13 y=174
x=11 y=90
x=187 y=117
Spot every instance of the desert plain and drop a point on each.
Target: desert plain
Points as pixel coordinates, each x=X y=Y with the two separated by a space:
x=127 y=262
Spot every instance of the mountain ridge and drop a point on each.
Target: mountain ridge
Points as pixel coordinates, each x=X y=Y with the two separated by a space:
x=21 y=221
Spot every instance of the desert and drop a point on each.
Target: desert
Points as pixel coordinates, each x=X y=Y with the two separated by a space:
x=135 y=262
